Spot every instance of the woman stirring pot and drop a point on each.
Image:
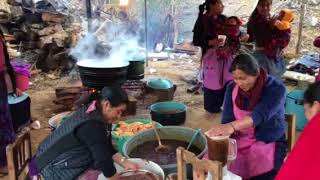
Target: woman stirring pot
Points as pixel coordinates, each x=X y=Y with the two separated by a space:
x=81 y=147
x=253 y=114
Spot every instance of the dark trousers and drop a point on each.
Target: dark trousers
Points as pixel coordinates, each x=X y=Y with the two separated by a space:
x=213 y=99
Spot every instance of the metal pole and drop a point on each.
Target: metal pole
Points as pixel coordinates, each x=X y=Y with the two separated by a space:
x=146 y=30
x=89 y=14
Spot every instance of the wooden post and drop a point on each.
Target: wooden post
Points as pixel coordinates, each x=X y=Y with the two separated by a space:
x=181 y=165
x=89 y=14
x=291 y=120
x=146 y=30
x=302 y=15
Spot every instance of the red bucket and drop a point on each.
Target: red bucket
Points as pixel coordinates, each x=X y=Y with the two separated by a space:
x=22 y=82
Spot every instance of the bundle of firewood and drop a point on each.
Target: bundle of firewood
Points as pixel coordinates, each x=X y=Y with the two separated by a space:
x=45 y=35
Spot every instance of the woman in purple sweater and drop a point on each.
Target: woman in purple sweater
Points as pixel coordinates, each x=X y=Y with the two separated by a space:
x=253 y=114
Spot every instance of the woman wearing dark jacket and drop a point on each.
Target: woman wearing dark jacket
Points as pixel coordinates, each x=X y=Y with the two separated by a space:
x=82 y=144
x=269 y=46
x=253 y=114
x=7 y=83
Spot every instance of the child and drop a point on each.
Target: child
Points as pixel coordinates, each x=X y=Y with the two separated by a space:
x=280 y=35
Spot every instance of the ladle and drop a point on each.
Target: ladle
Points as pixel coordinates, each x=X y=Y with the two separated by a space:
x=160 y=148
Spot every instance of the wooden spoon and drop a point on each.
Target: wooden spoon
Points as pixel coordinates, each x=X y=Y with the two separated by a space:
x=161 y=148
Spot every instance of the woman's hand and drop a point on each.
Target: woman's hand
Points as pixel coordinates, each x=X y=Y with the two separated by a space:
x=115 y=177
x=220 y=130
x=214 y=42
x=244 y=37
x=128 y=165
x=18 y=92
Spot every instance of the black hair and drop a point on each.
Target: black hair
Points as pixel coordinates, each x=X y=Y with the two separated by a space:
x=9 y=67
x=255 y=12
x=206 y=6
x=312 y=94
x=245 y=63
x=114 y=94
x=235 y=18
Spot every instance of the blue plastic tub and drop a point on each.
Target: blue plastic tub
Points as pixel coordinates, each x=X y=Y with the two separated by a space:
x=294 y=105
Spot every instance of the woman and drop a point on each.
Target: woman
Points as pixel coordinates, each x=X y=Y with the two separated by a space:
x=253 y=114
x=81 y=146
x=213 y=66
x=7 y=83
x=303 y=161
x=269 y=47
x=208 y=26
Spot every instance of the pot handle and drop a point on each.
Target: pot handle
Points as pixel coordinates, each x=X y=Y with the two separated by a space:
x=174 y=88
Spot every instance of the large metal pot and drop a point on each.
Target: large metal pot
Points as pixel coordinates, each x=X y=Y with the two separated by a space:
x=136 y=68
x=167 y=132
x=168 y=113
x=97 y=74
x=164 y=89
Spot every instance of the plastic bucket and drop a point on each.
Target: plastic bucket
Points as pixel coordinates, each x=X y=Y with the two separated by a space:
x=294 y=105
x=22 y=82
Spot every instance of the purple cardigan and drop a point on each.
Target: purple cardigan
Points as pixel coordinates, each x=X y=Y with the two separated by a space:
x=268 y=116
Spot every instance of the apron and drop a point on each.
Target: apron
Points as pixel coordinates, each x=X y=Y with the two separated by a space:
x=254 y=157
x=216 y=71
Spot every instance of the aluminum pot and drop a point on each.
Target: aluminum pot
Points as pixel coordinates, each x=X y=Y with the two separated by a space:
x=98 y=74
x=164 y=89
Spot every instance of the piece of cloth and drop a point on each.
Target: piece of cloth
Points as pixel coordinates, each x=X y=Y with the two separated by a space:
x=23 y=69
x=253 y=95
x=311 y=60
x=79 y=151
x=253 y=157
x=280 y=39
x=213 y=100
x=274 y=67
x=7 y=134
x=285 y=22
x=216 y=72
x=303 y=160
x=268 y=115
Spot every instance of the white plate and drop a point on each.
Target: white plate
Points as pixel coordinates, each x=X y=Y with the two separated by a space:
x=147 y=165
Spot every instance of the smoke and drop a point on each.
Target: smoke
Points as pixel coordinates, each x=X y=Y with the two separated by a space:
x=110 y=42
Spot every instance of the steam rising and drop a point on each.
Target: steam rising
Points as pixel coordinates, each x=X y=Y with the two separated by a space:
x=111 y=44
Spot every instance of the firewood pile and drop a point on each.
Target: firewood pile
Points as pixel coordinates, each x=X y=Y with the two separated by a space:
x=42 y=39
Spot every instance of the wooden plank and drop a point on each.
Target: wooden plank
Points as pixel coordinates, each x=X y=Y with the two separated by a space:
x=181 y=165
x=291 y=119
x=10 y=160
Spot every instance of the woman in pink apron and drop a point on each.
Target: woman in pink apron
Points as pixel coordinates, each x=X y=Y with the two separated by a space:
x=253 y=114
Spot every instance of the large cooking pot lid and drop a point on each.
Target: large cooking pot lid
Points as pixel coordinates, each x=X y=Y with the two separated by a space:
x=99 y=63
x=160 y=84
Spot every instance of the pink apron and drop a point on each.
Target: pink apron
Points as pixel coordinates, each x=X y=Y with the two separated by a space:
x=254 y=157
x=216 y=71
